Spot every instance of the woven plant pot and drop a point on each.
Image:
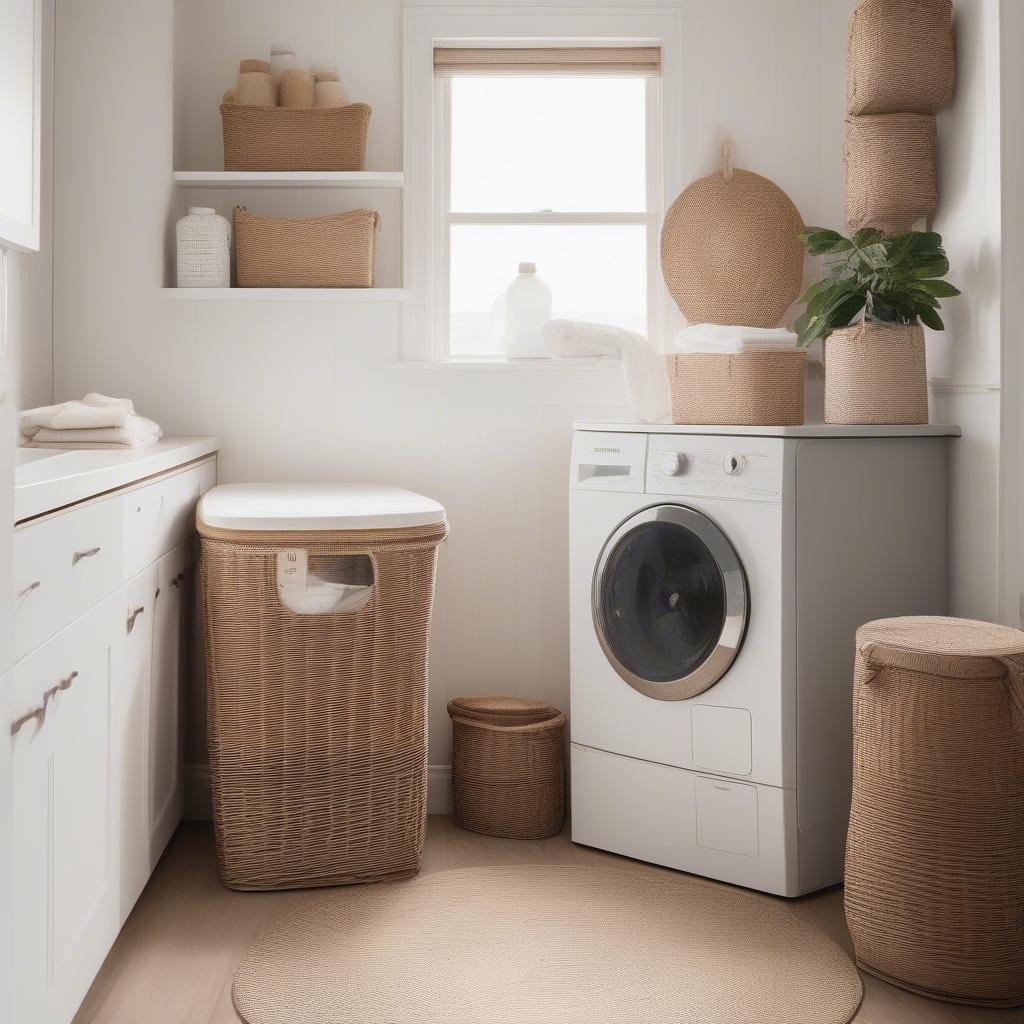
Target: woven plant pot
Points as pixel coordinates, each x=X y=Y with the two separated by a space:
x=508 y=766
x=935 y=851
x=287 y=139
x=332 y=251
x=876 y=373
x=901 y=57
x=748 y=388
x=890 y=171
x=317 y=722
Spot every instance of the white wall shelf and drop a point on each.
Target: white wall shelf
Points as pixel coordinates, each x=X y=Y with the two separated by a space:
x=285 y=294
x=289 y=179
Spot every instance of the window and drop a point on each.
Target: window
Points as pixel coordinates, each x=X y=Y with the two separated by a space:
x=549 y=156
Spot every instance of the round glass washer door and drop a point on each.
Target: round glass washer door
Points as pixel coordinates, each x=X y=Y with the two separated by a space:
x=670 y=602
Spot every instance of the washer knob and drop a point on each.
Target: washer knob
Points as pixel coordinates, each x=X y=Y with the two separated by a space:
x=733 y=464
x=673 y=464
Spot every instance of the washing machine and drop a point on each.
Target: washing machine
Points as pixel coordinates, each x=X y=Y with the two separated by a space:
x=717 y=578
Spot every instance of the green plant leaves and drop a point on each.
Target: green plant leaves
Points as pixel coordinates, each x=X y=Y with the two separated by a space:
x=893 y=278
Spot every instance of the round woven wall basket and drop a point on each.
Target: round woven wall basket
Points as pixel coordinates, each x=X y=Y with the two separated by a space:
x=731 y=252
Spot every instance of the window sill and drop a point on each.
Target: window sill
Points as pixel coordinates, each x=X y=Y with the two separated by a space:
x=514 y=365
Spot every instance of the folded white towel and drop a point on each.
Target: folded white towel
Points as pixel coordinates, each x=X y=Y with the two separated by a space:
x=646 y=379
x=137 y=432
x=92 y=412
x=723 y=338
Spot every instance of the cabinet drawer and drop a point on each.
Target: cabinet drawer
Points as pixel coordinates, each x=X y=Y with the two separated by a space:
x=157 y=518
x=63 y=566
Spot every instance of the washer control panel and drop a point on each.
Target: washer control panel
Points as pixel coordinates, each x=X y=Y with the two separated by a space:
x=716 y=465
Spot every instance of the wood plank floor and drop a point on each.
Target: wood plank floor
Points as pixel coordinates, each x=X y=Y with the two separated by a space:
x=173 y=961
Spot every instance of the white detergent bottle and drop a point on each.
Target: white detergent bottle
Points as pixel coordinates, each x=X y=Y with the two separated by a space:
x=527 y=310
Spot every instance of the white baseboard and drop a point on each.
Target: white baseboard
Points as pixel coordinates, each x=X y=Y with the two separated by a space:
x=197 y=791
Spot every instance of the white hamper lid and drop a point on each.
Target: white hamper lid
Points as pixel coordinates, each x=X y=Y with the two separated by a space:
x=288 y=507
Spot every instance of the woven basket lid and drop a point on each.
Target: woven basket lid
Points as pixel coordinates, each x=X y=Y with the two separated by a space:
x=957 y=648
x=731 y=252
x=509 y=711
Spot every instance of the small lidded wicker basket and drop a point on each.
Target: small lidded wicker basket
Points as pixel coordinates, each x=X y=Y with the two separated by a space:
x=508 y=766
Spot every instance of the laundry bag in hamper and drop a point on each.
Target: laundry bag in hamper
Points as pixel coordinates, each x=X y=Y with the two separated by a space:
x=508 y=766
x=935 y=854
x=316 y=602
x=763 y=387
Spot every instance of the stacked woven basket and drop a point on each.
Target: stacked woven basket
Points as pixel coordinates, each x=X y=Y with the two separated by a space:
x=900 y=73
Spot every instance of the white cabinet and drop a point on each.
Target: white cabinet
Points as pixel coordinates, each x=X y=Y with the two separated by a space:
x=96 y=715
x=64 y=851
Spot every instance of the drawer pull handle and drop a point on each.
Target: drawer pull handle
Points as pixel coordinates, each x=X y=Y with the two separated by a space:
x=64 y=684
x=38 y=714
x=79 y=555
x=177 y=581
x=157 y=594
x=133 y=616
x=32 y=586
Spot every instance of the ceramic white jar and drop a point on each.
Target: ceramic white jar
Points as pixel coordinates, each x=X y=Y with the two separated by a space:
x=204 y=249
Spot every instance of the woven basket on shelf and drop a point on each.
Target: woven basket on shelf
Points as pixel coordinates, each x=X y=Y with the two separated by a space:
x=876 y=373
x=508 y=766
x=317 y=722
x=748 y=388
x=935 y=853
x=890 y=171
x=731 y=252
x=289 y=139
x=335 y=250
x=901 y=57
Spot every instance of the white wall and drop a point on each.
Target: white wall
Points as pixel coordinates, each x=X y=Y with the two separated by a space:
x=315 y=391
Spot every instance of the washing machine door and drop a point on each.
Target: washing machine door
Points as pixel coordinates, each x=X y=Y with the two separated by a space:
x=670 y=602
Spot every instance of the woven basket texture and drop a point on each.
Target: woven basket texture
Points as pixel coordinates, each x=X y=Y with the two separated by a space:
x=876 y=373
x=335 y=250
x=284 y=139
x=317 y=723
x=935 y=852
x=747 y=388
x=901 y=57
x=508 y=766
x=889 y=162
x=730 y=251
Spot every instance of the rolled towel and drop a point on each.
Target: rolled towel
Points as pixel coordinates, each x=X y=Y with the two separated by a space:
x=95 y=411
x=729 y=339
x=646 y=380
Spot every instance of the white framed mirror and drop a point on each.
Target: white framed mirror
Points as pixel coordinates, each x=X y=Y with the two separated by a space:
x=20 y=102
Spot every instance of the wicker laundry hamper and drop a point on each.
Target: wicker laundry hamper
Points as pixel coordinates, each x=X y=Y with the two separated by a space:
x=890 y=169
x=935 y=853
x=901 y=57
x=316 y=602
x=508 y=766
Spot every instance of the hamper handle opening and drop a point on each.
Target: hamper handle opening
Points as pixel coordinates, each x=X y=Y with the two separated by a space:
x=323 y=584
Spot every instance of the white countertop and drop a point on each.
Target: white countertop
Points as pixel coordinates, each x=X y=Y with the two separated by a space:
x=804 y=430
x=50 y=478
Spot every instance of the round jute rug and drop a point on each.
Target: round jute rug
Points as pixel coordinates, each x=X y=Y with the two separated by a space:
x=539 y=944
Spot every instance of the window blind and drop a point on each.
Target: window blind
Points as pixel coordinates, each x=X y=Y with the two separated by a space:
x=622 y=61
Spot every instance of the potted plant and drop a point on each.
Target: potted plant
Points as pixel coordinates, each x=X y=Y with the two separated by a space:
x=868 y=310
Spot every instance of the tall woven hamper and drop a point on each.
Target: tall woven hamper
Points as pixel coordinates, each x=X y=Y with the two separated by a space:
x=935 y=852
x=316 y=601
x=508 y=766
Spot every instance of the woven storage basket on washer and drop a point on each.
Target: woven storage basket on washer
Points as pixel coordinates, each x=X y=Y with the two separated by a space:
x=508 y=766
x=935 y=854
x=731 y=251
x=335 y=250
x=889 y=162
x=317 y=722
x=289 y=139
x=747 y=388
x=901 y=57
x=876 y=373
